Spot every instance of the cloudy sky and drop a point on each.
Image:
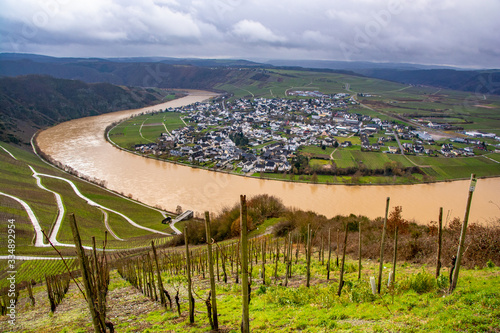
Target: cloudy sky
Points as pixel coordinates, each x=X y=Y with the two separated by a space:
x=444 y=32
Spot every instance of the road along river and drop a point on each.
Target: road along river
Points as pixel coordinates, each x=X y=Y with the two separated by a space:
x=80 y=144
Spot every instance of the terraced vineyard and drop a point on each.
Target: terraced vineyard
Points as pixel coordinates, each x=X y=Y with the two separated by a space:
x=129 y=223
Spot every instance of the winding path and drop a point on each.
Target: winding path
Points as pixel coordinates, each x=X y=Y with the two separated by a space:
x=36 y=225
x=60 y=207
x=39 y=237
x=95 y=204
x=106 y=224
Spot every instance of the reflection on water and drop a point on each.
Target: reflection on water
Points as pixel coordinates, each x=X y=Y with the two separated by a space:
x=80 y=144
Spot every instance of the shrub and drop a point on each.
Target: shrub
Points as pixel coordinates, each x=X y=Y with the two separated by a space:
x=262 y=290
x=283 y=228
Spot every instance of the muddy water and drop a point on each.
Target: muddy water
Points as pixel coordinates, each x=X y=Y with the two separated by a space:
x=80 y=144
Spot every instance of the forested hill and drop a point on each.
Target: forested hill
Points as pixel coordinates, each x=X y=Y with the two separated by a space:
x=134 y=74
x=30 y=102
x=209 y=73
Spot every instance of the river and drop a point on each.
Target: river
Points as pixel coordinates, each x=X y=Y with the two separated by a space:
x=80 y=144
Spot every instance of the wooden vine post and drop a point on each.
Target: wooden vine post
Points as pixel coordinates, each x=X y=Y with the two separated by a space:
x=245 y=323
x=329 y=253
x=263 y=268
x=338 y=247
x=215 y=321
x=440 y=241
x=394 y=258
x=341 y=280
x=163 y=299
x=359 y=251
x=460 y=250
x=188 y=271
x=308 y=277
x=381 y=266
x=86 y=276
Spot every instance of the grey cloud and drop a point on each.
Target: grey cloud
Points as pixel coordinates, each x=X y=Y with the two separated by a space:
x=446 y=32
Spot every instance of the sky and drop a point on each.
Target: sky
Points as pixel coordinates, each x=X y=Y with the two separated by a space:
x=459 y=33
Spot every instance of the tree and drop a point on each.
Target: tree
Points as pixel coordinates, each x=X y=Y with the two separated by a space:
x=396 y=220
x=178 y=210
x=314 y=178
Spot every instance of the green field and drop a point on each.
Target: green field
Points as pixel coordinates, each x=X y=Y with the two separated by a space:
x=461 y=167
x=144 y=129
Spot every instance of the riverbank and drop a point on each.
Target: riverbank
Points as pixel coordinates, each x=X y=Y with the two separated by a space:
x=130 y=132
x=81 y=145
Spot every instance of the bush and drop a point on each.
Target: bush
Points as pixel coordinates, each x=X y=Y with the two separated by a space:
x=283 y=228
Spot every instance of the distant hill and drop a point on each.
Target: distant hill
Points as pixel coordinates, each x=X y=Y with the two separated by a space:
x=352 y=65
x=480 y=81
x=28 y=103
x=137 y=72
x=196 y=73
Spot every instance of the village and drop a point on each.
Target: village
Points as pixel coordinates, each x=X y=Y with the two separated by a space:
x=265 y=135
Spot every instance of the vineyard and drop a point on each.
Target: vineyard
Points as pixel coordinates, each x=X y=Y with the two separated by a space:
x=309 y=279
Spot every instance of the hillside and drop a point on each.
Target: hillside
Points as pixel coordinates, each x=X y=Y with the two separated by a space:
x=137 y=74
x=52 y=195
x=30 y=102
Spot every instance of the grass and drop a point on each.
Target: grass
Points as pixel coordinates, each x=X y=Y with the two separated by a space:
x=460 y=167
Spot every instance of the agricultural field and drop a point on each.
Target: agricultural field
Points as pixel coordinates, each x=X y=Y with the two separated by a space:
x=144 y=129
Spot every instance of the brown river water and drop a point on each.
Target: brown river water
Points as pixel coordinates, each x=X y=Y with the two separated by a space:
x=80 y=144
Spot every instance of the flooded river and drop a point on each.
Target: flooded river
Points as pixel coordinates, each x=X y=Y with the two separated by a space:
x=80 y=144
